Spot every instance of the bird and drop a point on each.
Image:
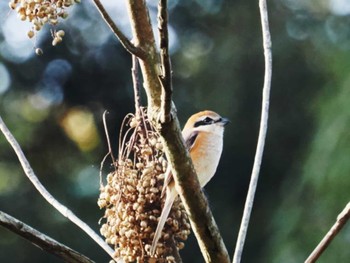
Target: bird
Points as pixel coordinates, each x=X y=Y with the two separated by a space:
x=203 y=136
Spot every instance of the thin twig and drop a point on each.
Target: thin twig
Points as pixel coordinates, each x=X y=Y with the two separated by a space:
x=49 y=198
x=41 y=240
x=130 y=47
x=165 y=78
x=262 y=132
x=136 y=84
x=342 y=218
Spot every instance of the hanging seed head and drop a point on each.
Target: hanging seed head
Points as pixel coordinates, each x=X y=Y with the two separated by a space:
x=132 y=197
x=41 y=12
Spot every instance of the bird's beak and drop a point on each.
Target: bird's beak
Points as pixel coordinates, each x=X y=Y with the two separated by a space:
x=224 y=121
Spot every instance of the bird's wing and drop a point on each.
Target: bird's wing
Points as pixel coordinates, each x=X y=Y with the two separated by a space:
x=168 y=178
x=190 y=140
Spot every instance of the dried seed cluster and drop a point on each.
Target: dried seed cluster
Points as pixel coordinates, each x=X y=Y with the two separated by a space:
x=132 y=199
x=41 y=12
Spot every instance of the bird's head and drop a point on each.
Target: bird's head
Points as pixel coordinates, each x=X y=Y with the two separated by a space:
x=205 y=121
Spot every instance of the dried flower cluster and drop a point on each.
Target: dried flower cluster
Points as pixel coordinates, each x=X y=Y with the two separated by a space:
x=132 y=198
x=41 y=12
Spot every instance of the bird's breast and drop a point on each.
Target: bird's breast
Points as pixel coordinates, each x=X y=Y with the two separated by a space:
x=205 y=155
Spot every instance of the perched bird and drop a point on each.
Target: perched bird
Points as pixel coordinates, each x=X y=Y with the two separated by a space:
x=203 y=135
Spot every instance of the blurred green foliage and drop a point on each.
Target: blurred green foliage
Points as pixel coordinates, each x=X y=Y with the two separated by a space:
x=53 y=104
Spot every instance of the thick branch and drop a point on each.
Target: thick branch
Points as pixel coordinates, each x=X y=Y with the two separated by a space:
x=143 y=37
x=165 y=77
x=262 y=132
x=342 y=218
x=134 y=50
x=49 y=198
x=41 y=240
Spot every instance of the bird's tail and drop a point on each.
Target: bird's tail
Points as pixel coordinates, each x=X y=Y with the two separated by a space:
x=170 y=198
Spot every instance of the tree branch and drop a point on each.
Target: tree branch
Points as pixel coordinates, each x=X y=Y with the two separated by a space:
x=165 y=78
x=262 y=132
x=149 y=64
x=342 y=218
x=130 y=47
x=49 y=198
x=41 y=240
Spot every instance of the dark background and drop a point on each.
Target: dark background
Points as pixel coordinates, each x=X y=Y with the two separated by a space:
x=53 y=104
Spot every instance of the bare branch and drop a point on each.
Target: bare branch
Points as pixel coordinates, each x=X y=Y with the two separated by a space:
x=49 y=198
x=165 y=78
x=130 y=47
x=262 y=132
x=41 y=240
x=342 y=218
x=143 y=37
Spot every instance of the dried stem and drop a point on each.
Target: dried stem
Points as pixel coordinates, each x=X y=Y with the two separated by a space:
x=165 y=77
x=262 y=132
x=49 y=198
x=342 y=218
x=130 y=47
x=41 y=240
x=110 y=151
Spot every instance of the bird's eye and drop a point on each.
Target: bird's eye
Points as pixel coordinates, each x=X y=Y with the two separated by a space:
x=208 y=120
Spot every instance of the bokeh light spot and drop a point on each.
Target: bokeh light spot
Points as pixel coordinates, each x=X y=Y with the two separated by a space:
x=340 y=7
x=32 y=113
x=17 y=47
x=80 y=127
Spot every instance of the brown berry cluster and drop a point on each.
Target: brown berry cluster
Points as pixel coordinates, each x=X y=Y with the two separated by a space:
x=132 y=198
x=41 y=12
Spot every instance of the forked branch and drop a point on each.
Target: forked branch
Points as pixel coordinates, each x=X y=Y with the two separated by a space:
x=49 y=198
x=130 y=47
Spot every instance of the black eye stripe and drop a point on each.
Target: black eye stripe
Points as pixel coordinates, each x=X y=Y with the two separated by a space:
x=218 y=120
x=206 y=121
x=199 y=123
